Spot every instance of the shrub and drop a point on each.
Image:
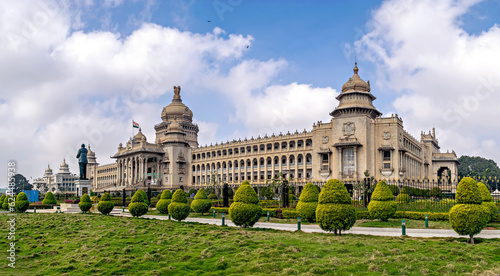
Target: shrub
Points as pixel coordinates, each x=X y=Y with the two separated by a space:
x=382 y=205
x=201 y=203
x=468 y=217
x=85 y=203
x=394 y=190
x=308 y=202
x=179 y=208
x=192 y=191
x=290 y=214
x=436 y=192
x=2 y=198
x=144 y=196
x=487 y=200
x=105 y=205
x=22 y=202
x=220 y=210
x=49 y=199
x=403 y=198
x=245 y=210
x=5 y=204
x=162 y=204
x=335 y=211
x=212 y=196
x=138 y=206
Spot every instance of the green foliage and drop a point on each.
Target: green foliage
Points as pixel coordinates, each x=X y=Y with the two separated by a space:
x=179 y=208
x=415 y=192
x=421 y=216
x=165 y=200
x=382 y=192
x=144 y=196
x=2 y=198
x=290 y=214
x=335 y=211
x=85 y=203
x=267 y=192
x=468 y=219
x=192 y=191
x=166 y=195
x=5 y=204
x=403 y=198
x=382 y=205
x=212 y=196
x=477 y=166
x=436 y=192
x=138 y=206
x=363 y=215
x=201 y=204
x=468 y=192
x=485 y=193
x=105 y=205
x=220 y=210
x=245 y=210
x=394 y=190
x=22 y=203
x=308 y=202
x=49 y=199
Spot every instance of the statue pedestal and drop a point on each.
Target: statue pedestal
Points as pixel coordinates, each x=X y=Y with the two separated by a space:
x=82 y=187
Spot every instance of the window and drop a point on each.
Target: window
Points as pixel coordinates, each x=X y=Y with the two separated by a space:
x=387 y=155
x=348 y=161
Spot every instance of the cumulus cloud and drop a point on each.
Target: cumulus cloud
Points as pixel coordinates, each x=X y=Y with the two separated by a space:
x=440 y=75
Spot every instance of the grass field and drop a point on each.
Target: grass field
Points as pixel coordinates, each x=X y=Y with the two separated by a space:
x=85 y=244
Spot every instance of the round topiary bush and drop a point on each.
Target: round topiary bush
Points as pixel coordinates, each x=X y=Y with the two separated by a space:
x=2 y=198
x=85 y=203
x=22 y=202
x=335 y=211
x=105 y=205
x=5 y=204
x=468 y=217
x=487 y=200
x=144 y=196
x=308 y=201
x=49 y=199
x=382 y=205
x=138 y=206
x=201 y=203
x=179 y=209
x=212 y=196
x=162 y=204
x=245 y=210
x=403 y=198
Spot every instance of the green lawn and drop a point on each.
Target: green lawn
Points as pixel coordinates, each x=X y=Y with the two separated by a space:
x=89 y=244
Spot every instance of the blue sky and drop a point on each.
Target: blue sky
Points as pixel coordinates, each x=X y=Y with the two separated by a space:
x=68 y=67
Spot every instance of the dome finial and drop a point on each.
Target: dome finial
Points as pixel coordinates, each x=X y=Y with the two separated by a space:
x=355 y=68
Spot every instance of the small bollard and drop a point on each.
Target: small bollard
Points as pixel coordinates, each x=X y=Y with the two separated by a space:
x=267 y=216
x=222 y=219
x=404 y=228
x=123 y=209
x=426 y=222
x=51 y=206
x=214 y=213
x=298 y=224
x=58 y=209
x=168 y=216
x=34 y=209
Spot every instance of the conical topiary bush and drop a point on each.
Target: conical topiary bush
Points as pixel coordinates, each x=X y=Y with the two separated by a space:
x=137 y=206
x=335 y=211
x=487 y=200
x=179 y=208
x=162 y=204
x=245 y=210
x=201 y=203
x=85 y=204
x=22 y=202
x=49 y=199
x=382 y=205
x=468 y=216
x=105 y=205
x=308 y=201
x=144 y=196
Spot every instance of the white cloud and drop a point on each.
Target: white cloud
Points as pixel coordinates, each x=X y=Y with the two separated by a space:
x=441 y=75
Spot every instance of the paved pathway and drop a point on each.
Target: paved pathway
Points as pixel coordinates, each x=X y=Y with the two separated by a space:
x=392 y=232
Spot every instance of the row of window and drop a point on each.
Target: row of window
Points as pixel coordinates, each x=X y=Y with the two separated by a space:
x=284 y=161
x=254 y=149
x=301 y=175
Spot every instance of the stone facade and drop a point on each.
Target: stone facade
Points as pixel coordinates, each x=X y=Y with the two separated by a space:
x=357 y=142
x=61 y=182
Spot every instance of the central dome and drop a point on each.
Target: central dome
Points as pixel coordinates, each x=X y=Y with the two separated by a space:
x=355 y=83
x=177 y=109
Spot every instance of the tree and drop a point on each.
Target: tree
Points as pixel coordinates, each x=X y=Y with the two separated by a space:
x=105 y=205
x=179 y=207
x=162 y=204
x=21 y=184
x=308 y=202
x=382 y=205
x=49 y=199
x=138 y=206
x=22 y=203
x=468 y=216
x=278 y=181
x=335 y=211
x=487 y=200
x=85 y=203
x=201 y=203
x=245 y=210
x=475 y=166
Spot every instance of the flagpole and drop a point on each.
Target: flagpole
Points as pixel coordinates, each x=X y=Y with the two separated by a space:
x=132 y=129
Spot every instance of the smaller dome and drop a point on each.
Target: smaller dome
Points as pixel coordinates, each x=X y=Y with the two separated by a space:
x=63 y=164
x=48 y=169
x=139 y=136
x=174 y=127
x=355 y=83
x=90 y=153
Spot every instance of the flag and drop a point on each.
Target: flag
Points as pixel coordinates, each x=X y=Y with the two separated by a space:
x=134 y=124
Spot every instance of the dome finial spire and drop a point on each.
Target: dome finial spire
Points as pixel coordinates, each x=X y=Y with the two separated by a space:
x=355 y=68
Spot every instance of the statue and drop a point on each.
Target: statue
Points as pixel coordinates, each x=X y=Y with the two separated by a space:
x=82 y=161
x=177 y=92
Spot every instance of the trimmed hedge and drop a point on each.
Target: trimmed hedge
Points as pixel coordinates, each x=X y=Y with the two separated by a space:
x=436 y=192
x=382 y=205
x=220 y=210
x=394 y=190
x=290 y=214
x=335 y=211
x=468 y=192
x=22 y=202
x=308 y=202
x=409 y=215
x=403 y=198
x=105 y=205
x=85 y=203
x=49 y=199
x=179 y=209
x=212 y=196
x=245 y=210
x=201 y=203
x=138 y=206
x=165 y=200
